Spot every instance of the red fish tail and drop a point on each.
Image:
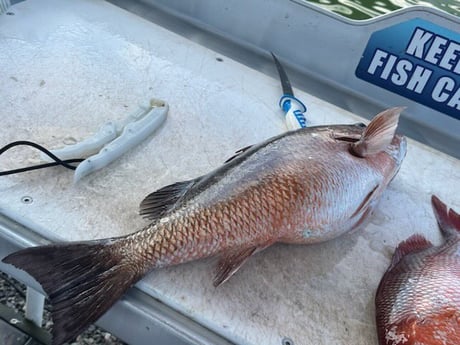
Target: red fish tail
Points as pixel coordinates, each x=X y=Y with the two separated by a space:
x=448 y=219
x=82 y=280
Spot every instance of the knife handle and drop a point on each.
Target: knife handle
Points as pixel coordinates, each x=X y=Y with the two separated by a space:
x=294 y=111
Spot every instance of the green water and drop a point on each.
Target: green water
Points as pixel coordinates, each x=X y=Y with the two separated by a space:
x=365 y=9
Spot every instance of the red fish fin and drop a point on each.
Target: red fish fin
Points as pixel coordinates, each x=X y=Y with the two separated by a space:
x=231 y=262
x=164 y=200
x=378 y=134
x=413 y=244
x=366 y=202
x=448 y=219
x=82 y=280
x=362 y=220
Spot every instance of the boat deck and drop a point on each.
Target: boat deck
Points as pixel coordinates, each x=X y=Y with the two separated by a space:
x=15 y=330
x=11 y=336
x=71 y=66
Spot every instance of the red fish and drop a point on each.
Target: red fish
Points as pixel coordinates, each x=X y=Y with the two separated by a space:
x=418 y=300
x=303 y=186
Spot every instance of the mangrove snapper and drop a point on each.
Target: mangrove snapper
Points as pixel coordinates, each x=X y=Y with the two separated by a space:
x=302 y=186
x=418 y=299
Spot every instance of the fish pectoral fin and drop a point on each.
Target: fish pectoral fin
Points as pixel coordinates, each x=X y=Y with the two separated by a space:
x=158 y=203
x=366 y=202
x=231 y=262
x=378 y=134
x=413 y=244
x=238 y=153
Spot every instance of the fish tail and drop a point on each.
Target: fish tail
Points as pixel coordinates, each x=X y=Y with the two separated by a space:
x=82 y=280
x=448 y=219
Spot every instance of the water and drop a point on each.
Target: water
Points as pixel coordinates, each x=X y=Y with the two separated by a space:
x=365 y=9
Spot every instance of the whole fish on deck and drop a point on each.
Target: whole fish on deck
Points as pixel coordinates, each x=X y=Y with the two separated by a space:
x=303 y=186
x=418 y=300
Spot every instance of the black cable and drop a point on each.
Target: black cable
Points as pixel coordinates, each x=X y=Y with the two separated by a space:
x=57 y=160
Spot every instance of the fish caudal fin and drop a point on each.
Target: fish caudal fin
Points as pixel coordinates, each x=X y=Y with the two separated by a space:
x=82 y=280
x=448 y=219
x=378 y=134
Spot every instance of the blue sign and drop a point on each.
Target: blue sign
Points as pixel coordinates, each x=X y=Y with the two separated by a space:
x=418 y=60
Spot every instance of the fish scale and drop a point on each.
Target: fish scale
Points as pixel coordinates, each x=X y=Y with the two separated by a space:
x=255 y=217
x=418 y=299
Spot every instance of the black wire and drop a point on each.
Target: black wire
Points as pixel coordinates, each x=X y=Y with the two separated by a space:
x=57 y=160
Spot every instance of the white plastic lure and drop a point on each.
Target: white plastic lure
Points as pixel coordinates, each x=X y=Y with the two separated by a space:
x=112 y=140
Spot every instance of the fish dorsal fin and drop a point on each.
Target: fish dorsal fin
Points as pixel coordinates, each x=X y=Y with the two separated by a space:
x=378 y=134
x=238 y=153
x=448 y=219
x=158 y=203
x=413 y=244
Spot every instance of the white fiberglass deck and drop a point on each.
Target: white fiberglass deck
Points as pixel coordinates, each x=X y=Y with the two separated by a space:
x=69 y=67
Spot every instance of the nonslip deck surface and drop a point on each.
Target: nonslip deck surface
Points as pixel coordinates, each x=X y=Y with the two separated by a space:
x=69 y=67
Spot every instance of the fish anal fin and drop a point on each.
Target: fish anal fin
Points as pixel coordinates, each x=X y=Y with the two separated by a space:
x=448 y=219
x=231 y=262
x=414 y=243
x=378 y=134
x=160 y=202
